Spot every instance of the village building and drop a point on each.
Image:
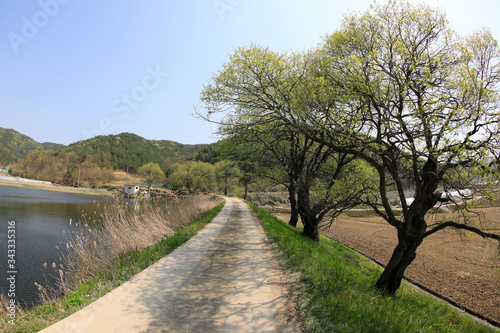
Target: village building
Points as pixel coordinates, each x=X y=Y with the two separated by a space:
x=131 y=190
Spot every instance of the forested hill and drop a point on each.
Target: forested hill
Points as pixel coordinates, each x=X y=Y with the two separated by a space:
x=130 y=151
x=121 y=151
x=15 y=146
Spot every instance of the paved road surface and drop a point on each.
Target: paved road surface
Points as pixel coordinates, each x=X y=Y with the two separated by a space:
x=225 y=279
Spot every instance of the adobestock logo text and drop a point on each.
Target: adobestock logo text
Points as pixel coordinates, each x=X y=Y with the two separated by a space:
x=224 y=6
x=122 y=106
x=31 y=25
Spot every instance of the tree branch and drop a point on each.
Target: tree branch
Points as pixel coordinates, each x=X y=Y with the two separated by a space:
x=452 y=224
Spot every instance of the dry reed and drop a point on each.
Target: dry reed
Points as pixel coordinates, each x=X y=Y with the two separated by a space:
x=122 y=228
x=7 y=309
x=269 y=198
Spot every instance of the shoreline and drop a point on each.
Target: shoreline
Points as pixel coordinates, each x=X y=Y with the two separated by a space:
x=55 y=188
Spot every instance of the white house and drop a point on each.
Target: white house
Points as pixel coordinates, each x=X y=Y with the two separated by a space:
x=131 y=189
x=461 y=194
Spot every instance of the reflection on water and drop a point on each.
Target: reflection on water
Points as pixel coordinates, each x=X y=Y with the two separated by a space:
x=41 y=224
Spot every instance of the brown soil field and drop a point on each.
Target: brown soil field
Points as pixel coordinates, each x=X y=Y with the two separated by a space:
x=461 y=267
x=122 y=178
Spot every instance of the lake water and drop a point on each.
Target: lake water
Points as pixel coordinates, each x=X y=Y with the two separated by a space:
x=42 y=223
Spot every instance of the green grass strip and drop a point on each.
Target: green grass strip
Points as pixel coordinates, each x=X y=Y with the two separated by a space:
x=129 y=265
x=336 y=290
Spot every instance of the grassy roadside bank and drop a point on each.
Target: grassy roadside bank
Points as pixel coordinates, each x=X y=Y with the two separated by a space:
x=336 y=291
x=104 y=281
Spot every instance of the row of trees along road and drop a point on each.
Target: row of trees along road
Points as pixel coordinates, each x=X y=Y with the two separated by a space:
x=393 y=93
x=194 y=176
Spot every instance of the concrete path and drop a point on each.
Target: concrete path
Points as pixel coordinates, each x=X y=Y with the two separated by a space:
x=225 y=279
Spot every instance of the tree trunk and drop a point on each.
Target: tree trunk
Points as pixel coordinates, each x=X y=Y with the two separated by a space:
x=414 y=226
x=401 y=258
x=294 y=218
x=311 y=229
x=409 y=239
x=309 y=219
x=246 y=192
x=292 y=197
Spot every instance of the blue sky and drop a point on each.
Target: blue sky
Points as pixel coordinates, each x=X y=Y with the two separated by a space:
x=73 y=69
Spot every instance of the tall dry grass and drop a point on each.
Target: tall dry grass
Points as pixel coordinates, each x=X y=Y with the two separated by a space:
x=122 y=228
x=6 y=309
x=268 y=198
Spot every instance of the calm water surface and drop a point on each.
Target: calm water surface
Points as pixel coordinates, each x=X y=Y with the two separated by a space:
x=42 y=224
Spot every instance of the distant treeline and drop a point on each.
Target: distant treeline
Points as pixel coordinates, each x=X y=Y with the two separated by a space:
x=92 y=161
x=64 y=168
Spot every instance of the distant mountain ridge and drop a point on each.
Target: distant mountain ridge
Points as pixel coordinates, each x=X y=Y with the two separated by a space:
x=15 y=146
x=125 y=150
x=130 y=151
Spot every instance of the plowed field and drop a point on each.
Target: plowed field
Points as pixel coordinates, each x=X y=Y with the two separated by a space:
x=461 y=267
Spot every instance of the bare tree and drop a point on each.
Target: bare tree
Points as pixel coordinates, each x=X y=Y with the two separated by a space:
x=417 y=103
x=394 y=87
x=253 y=85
